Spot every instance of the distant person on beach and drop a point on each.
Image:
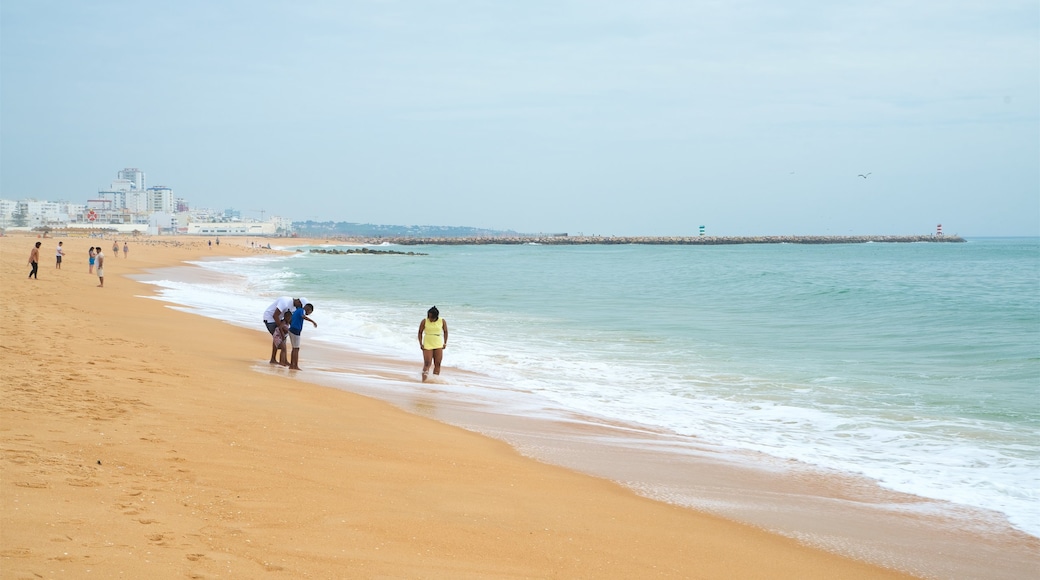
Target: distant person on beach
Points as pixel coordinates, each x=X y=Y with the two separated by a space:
x=99 y=260
x=274 y=314
x=210 y=242
x=296 y=329
x=58 y=253
x=115 y=248
x=92 y=258
x=433 y=337
x=126 y=249
x=34 y=260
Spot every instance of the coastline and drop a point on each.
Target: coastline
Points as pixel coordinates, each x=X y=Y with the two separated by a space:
x=320 y=479
x=841 y=512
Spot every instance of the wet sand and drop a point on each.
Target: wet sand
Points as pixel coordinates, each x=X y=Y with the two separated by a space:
x=839 y=512
x=140 y=440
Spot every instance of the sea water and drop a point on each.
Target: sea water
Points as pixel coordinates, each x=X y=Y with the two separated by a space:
x=915 y=365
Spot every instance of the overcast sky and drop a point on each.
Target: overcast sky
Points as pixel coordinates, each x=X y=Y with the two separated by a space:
x=599 y=117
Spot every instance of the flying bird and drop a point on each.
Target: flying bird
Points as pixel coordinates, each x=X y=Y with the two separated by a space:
x=864 y=176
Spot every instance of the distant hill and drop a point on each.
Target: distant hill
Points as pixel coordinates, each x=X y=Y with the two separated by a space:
x=348 y=229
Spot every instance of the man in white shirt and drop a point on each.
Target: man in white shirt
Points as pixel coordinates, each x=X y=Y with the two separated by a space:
x=99 y=260
x=273 y=315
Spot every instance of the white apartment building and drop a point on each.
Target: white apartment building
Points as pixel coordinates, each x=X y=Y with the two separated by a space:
x=160 y=199
x=133 y=175
x=121 y=192
x=115 y=197
x=7 y=209
x=231 y=228
x=43 y=213
x=137 y=201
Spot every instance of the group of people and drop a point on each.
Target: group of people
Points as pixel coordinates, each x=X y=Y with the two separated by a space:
x=96 y=259
x=34 y=259
x=284 y=320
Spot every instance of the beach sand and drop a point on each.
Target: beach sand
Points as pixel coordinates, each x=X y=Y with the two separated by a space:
x=140 y=441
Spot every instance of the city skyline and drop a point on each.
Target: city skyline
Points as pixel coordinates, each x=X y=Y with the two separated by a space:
x=608 y=118
x=127 y=203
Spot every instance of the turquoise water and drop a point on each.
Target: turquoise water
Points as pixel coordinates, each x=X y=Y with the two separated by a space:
x=917 y=365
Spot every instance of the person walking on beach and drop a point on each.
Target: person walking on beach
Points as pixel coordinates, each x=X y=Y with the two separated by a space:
x=58 y=253
x=99 y=259
x=34 y=260
x=296 y=329
x=274 y=314
x=126 y=249
x=92 y=259
x=115 y=248
x=433 y=337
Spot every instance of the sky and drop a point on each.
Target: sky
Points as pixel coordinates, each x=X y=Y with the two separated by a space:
x=606 y=117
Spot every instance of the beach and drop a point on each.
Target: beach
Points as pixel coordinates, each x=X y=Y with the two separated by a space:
x=142 y=440
x=138 y=441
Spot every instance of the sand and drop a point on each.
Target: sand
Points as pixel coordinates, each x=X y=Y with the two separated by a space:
x=140 y=441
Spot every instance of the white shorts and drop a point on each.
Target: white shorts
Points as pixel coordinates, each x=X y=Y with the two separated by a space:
x=295 y=340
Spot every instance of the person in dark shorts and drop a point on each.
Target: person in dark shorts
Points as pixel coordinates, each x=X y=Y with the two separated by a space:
x=34 y=260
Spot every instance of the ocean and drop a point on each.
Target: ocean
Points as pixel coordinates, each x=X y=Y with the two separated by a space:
x=914 y=365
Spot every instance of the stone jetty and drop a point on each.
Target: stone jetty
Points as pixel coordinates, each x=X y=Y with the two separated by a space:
x=564 y=240
x=363 y=251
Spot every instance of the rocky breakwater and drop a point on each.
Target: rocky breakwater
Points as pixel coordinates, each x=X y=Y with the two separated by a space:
x=560 y=240
x=362 y=251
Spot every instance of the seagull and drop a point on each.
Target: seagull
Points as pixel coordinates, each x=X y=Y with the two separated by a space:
x=864 y=176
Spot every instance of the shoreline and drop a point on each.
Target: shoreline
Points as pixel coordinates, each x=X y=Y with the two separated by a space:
x=840 y=512
x=144 y=443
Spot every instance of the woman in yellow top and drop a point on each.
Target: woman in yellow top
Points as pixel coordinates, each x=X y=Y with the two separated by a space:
x=433 y=337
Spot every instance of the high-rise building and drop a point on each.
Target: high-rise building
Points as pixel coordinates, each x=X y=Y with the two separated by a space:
x=160 y=199
x=115 y=195
x=137 y=201
x=135 y=176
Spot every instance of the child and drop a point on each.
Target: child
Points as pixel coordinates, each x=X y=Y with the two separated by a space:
x=281 y=341
x=295 y=328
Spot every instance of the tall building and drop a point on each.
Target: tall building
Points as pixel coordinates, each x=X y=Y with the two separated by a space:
x=115 y=194
x=137 y=201
x=160 y=199
x=135 y=176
